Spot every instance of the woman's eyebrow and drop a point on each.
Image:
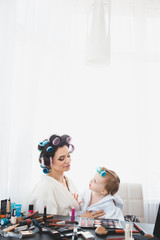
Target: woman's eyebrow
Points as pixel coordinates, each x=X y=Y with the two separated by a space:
x=61 y=156
x=64 y=155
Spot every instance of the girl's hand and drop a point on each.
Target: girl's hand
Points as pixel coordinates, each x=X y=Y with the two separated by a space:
x=75 y=195
x=90 y=214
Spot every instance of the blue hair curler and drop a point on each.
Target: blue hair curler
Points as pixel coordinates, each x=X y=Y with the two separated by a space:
x=42 y=144
x=49 y=149
x=99 y=169
x=45 y=169
x=101 y=172
x=45 y=142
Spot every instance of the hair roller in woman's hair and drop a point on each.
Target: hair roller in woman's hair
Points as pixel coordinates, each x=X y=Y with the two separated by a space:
x=68 y=139
x=42 y=144
x=49 y=149
x=71 y=148
x=56 y=141
x=42 y=162
x=45 y=170
x=50 y=160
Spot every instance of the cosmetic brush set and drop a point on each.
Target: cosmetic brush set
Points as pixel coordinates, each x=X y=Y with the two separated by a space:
x=28 y=226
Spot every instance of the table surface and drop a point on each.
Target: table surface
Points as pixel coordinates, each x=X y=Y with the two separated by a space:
x=46 y=236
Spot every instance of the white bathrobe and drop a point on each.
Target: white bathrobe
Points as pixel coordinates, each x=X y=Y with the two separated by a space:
x=48 y=191
x=111 y=205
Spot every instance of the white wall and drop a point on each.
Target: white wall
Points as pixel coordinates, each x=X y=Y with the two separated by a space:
x=111 y=111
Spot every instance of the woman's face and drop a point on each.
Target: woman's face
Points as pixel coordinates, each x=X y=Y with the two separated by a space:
x=61 y=159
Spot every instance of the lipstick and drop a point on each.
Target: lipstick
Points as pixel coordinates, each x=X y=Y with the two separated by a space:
x=45 y=213
x=73 y=214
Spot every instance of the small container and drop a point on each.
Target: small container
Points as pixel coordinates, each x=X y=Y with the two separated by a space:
x=4 y=221
x=18 y=210
x=8 y=208
x=55 y=234
x=73 y=214
x=13 y=217
x=30 y=209
x=27 y=233
x=21 y=228
x=87 y=235
x=74 y=234
x=127 y=232
x=3 y=208
x=12 y=206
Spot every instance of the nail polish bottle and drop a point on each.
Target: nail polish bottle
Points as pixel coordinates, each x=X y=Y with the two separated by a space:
x=30 y=209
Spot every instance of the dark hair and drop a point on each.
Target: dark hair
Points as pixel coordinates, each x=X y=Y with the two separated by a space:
x=49 y=144
x=112 y=181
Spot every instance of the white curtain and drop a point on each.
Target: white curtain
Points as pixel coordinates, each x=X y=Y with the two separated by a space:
x=98 y=34
x=46 y=86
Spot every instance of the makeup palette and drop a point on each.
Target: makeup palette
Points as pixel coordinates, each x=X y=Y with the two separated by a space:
x=94 y=223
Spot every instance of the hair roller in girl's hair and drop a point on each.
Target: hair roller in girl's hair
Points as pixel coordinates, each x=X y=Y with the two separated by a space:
x=101 y=172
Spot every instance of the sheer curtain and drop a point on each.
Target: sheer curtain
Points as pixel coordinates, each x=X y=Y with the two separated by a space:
x=46 y=86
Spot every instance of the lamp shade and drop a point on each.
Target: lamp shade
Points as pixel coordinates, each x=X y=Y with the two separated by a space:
x=98 y=35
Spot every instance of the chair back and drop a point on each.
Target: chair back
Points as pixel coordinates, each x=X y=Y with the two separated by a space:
x=132 y=197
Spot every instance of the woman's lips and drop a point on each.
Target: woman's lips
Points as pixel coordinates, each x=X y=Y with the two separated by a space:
x=67 y=166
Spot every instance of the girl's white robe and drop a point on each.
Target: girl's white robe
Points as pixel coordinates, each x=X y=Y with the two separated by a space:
x=112 y=205
x=51 y=193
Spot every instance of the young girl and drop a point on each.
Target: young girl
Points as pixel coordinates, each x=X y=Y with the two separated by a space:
x=101 y=195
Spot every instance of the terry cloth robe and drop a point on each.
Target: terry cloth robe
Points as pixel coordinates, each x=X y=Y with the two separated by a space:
x=51 y=193
x=111 y=204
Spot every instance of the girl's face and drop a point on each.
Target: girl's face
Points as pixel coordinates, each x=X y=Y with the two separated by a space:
x=61 y=159
x=97 y=184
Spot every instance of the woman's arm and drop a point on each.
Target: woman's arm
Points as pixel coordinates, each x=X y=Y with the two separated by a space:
x=90 y=214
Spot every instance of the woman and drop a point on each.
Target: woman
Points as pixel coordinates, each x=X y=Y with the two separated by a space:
x=54 y=189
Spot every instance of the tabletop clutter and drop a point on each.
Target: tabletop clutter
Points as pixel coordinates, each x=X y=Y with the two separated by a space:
x=14 y=223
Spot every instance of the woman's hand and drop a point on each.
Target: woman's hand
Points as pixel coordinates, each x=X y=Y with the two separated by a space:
x=75 y=195
x=90 y=214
